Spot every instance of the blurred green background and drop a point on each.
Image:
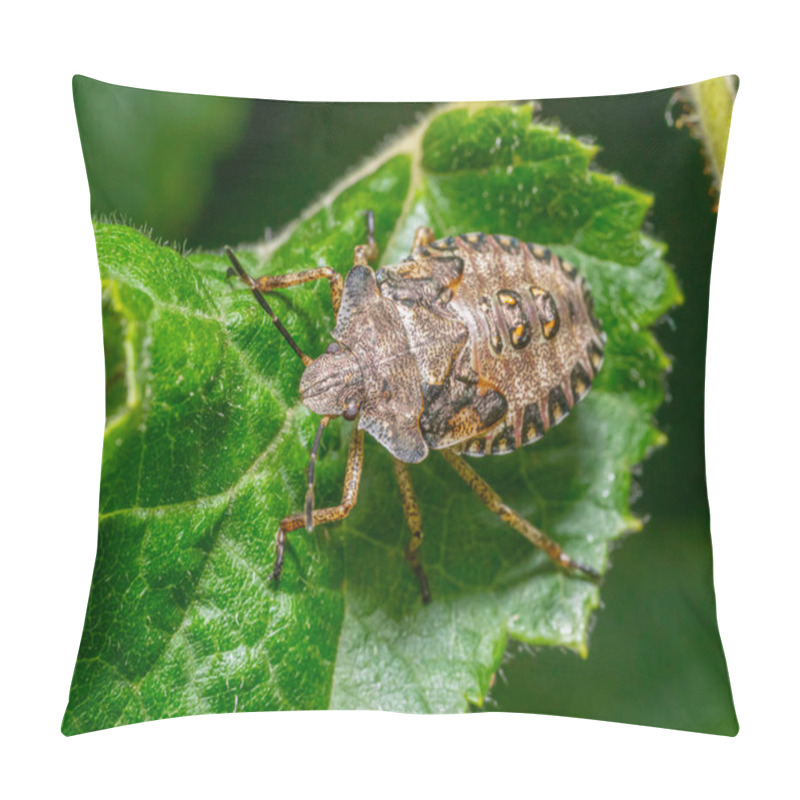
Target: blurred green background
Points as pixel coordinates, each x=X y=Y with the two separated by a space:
x=211 y=171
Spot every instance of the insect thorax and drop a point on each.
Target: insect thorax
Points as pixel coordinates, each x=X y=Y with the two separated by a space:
x=369 y=330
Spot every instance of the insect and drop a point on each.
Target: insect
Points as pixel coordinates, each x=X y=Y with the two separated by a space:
x=473 y=345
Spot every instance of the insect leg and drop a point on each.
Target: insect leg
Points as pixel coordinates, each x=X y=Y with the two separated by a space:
x=253 y=285
x=312 y=463
x=422 y=237
x=355 y=461
x=415 y=525
x=493 y=500
x=266 y=283
x=364 y=253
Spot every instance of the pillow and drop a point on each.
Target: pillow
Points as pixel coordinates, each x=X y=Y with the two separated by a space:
x=520 y=287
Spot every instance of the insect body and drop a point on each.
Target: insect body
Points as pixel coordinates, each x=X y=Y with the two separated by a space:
x=473 y=345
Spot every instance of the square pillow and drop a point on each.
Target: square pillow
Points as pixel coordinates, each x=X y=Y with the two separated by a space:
x=400 y=397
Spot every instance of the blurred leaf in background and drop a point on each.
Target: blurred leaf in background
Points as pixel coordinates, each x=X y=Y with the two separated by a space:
x=288 y=154
x=217 y=170
x=150 y=156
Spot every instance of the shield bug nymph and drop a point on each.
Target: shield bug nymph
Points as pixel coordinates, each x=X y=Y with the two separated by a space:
x=473 y=345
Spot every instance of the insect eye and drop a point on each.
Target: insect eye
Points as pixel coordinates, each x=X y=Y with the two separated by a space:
x=333 y=347
x=351 y=412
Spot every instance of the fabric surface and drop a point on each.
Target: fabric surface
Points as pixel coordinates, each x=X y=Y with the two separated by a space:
x=599 y=218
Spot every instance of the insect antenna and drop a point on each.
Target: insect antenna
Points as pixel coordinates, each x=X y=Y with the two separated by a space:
x=311 y=466
x=253 y=286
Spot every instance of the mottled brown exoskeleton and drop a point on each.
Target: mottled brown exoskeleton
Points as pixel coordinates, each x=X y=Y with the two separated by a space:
x=472 y=345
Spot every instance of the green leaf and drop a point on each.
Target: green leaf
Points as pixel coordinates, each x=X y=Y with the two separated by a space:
x=706 y=109
x=206 y=449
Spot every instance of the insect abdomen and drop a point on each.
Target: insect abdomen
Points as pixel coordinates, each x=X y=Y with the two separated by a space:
x=531 y=345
